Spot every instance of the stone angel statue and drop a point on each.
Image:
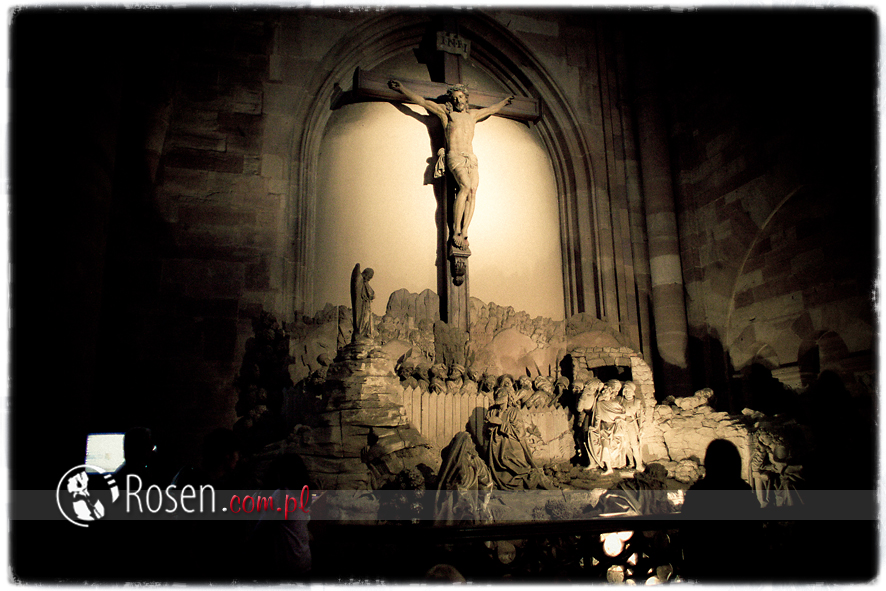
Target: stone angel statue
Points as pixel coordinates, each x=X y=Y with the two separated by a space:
x=361 y=303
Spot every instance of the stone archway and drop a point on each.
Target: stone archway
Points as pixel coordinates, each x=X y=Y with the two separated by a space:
x=823 y=351
x=620 y=360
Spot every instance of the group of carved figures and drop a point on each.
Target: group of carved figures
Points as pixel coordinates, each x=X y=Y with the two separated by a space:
x=456 y=379
x=466 y=478
x=610 y=419
x=775 y=472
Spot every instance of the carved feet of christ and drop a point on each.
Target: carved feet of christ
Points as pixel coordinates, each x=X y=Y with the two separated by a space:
x=460 y=241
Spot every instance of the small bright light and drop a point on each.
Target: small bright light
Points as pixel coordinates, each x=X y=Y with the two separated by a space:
x=613 y=545
x=633 y=559
x=615 y=574
x=676 y=497
x=105 y=450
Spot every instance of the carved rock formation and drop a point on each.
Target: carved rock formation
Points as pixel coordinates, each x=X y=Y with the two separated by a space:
x=362 y=438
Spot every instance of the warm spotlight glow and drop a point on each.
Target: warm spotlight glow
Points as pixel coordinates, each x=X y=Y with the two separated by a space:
x=376 y=206
x=613 y=545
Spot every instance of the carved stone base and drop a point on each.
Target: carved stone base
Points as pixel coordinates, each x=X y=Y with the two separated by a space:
x=360 y=348
x=459 y=258
x=362 y=438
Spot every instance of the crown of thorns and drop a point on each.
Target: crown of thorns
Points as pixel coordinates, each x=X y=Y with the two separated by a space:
x=455 y=88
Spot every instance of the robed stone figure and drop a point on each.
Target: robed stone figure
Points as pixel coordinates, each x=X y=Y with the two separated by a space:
x=510 y=460
x=361 y=303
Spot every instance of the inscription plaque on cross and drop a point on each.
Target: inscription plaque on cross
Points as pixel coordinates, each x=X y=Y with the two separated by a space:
x=457 y=158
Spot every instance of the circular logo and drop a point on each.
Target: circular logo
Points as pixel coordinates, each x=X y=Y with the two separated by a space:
x=83 y=494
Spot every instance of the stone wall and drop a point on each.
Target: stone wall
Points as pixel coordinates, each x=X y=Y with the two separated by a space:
x=680 y=430
x=775 y=214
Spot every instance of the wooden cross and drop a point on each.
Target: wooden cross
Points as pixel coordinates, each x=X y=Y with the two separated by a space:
x=453 y=279
x=370 y=85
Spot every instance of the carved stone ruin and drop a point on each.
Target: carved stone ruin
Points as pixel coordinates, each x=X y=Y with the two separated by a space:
x=362 y=438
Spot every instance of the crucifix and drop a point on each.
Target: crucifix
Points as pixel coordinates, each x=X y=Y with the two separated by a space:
x=457 y=158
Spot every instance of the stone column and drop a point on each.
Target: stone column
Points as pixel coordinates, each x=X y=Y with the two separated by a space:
x=668 y=305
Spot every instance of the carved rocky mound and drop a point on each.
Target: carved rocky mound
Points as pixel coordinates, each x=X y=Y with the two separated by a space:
x=362 y=437
x=487 y=320
x=312 y=342
x=503 y=340
x=512 y=352
x=681 y=430
x=584 y=330
x=418 y=306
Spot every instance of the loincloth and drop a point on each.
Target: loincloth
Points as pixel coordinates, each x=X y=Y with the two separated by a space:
x=455 y=161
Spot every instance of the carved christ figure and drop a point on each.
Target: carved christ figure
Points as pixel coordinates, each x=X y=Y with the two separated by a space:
x=458 y=126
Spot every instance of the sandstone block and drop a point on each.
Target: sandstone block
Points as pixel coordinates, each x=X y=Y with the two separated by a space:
x=204 y=160
x=331 y=419
x=350 y=447
x=690 y=402
x=352 y=481
x=333 y=465
x=687 y=471
x=654 y=450
x=688 y=423
x=385 y=417
x=319 y=435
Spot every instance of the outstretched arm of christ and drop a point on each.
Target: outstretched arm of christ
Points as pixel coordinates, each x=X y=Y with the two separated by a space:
x=419 y=100
x=485 y=113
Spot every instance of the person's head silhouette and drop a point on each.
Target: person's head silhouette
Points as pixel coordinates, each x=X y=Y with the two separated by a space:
x=138 y=447
x=722 y=461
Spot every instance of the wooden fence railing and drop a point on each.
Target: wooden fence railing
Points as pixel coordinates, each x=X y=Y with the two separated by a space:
x=439 y=416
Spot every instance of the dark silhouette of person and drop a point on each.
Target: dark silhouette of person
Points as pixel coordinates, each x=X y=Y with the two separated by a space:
x=140 y=459
x=220 y=466
x=212 y=549
x=280 y=547
x=720 y=513
x=840 y=437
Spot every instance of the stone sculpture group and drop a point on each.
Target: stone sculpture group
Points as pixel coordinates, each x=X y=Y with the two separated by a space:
x=775 y=473
x=456 y=379
x=608 y=426
x=611 y=418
